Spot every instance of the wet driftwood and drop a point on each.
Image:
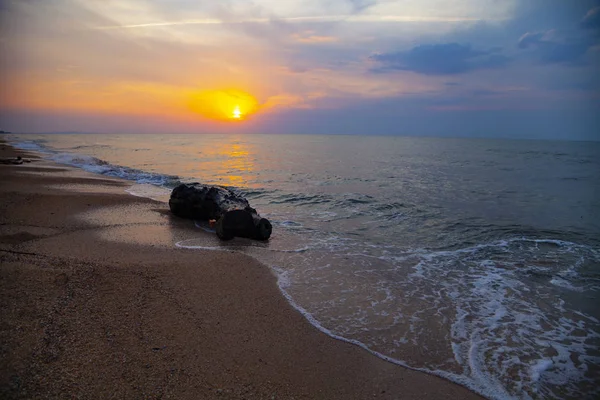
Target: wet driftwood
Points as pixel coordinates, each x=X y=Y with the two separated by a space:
x=232 y=213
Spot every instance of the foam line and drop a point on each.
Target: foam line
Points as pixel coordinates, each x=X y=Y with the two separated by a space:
x=491 y=392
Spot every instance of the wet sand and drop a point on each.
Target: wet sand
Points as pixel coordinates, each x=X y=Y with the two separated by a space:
x=96 y=302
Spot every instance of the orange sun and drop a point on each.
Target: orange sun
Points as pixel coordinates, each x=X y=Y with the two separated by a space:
x=224 y=105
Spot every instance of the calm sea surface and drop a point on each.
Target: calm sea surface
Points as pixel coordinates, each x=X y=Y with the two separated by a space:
x=474 y=259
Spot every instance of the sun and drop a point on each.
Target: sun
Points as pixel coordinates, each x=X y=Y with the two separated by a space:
x=224 y=105
x=237 y=114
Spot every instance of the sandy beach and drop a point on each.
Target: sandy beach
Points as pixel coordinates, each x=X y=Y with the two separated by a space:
x=96 y=302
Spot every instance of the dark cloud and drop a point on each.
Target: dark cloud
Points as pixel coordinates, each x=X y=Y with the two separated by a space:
x=440 y=59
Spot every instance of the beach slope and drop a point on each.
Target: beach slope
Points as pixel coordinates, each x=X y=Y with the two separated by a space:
x=96 y=302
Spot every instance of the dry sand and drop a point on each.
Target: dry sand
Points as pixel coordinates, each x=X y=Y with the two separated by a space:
x=97 y=303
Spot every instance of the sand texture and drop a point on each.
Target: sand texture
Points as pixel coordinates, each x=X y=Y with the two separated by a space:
x=97 y=303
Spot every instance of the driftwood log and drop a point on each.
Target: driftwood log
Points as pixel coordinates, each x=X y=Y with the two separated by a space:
x=13 y=161
x=232 y=213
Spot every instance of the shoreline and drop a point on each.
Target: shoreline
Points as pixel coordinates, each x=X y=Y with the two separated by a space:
x=97 y=302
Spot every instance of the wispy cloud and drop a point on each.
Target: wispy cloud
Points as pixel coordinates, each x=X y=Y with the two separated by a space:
x=312 y=37
x=205 y=21
x=315 y=19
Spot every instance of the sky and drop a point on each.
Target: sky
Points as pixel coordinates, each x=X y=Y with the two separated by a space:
x=483 y=68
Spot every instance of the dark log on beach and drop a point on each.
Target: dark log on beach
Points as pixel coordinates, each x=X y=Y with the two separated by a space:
x=14 y=161
x=233 y=213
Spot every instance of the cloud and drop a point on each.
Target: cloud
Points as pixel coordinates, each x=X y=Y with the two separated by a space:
x=531 y=39
x=312 y=37
x=568 y=45
x=555 y=47
x=321 y=19
x=592 y=19
x=440 y=59
x=361 y=5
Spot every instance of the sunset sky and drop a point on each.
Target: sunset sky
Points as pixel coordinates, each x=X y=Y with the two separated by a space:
x=509 y=68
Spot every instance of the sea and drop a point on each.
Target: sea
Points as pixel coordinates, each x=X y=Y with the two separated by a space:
x=477 y=260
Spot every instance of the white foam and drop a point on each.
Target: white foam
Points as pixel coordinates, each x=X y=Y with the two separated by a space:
x=284 y=282
x=560 y=282
x=539 y=367
x=498 y=323
x=182 y=244
x=77 y=159
x=149 y=191
x=101 y=167
x=290 y=224
x=32 y=146
x=496 y=301
x=299 y=250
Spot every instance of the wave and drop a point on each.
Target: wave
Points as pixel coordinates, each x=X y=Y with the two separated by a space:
x=101 y=167
x=32 y=146
x=498 y=327
x=98 y=166
x=91 y=146
x=301 y=199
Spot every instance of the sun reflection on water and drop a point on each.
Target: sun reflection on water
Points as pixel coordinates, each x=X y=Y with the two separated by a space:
x=230 y=160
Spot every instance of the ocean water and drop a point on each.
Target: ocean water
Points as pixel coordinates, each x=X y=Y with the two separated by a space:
x=474 y=259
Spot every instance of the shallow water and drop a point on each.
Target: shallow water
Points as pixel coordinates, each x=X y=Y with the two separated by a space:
x=478 y=260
